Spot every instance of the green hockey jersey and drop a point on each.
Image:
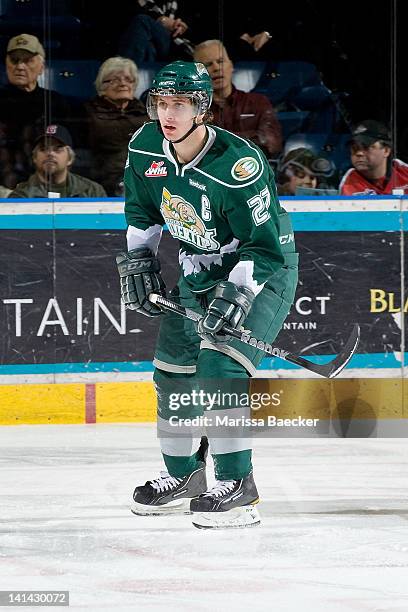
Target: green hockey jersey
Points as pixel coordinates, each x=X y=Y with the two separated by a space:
x=222 y=207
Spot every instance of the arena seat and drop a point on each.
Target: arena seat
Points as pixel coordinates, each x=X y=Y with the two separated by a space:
x=333 y=146
x=281 y=80
x=247 y=74
x=32 y=8
x=146 y=74
x=74 y=78
x=311 y=97
x=28 y=16
x=321 y=104
x=292 y=122
x=59 y=32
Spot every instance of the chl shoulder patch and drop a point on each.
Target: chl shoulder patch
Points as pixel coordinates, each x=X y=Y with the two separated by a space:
x=244 y=168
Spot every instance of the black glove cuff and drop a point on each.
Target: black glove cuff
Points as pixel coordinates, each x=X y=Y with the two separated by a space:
x=137 y=261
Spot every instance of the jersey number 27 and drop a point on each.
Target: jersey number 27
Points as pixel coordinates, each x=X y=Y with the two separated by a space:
x=259 y=205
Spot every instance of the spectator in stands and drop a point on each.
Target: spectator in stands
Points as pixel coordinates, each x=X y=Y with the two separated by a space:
x=374 y=170
x=24 y=105
x=250 y=115
x=301 y=170
x=245 y=38
x=155 y=34
x=52 y=157
x=256 y=40
x=113 y=116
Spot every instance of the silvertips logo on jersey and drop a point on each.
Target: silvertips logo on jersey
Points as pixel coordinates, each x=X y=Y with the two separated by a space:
x=185 y=224
x=156 y=169
x=244 y=168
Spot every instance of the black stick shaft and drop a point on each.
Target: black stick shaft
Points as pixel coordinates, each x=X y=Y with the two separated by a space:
x=328 y=370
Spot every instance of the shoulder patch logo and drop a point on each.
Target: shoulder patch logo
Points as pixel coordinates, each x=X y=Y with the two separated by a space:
x=244 y=168
x=156 y=169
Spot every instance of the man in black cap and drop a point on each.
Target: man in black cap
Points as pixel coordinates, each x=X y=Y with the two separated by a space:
x=25 y=106
x=52 y=157
x=374 y=171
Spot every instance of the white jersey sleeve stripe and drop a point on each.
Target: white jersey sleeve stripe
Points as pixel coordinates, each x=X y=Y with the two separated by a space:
x=149 y=238
x=242 y=275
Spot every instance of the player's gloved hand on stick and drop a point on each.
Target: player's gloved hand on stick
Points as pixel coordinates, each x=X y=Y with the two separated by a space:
x=230 y=306
x=139 y=272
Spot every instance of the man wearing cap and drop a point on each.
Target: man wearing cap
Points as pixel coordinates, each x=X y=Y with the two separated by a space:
x=374 y=171
x=24 y=105
x=52 y=157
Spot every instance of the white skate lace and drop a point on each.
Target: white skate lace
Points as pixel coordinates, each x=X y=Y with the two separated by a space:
x=165 y=482
x=220 y=488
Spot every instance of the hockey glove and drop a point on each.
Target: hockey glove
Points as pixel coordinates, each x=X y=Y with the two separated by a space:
x=230 y=306
x=139 y=272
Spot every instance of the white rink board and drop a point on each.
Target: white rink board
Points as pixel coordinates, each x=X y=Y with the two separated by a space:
x=104 y=377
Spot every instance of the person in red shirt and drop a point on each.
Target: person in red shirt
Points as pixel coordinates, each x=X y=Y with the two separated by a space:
x=374 y=170
x=247 y=114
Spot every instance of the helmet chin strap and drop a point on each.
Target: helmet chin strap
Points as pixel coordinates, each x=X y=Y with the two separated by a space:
x=186 y=135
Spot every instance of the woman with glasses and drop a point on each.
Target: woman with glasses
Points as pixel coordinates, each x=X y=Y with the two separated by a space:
x=113 y=116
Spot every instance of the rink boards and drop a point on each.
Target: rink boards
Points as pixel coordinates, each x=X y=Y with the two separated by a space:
x=365 y=402
x=70 y=353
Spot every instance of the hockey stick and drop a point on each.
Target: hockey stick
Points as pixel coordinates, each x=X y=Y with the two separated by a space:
x=328 y=370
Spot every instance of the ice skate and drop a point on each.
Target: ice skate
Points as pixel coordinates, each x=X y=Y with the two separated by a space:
x=167 y=495
x=229 y=504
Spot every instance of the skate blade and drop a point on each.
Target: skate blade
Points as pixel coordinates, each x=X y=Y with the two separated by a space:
x=237 y=518
x=180 y=506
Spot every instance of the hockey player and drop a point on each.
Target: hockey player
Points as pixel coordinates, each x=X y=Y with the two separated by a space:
x=216 y=193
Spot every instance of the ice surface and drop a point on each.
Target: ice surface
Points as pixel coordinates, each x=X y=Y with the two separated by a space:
x=334 y=533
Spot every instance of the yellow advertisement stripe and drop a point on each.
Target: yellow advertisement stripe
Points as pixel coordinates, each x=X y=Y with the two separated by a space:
x=357 y=398
x=42 y=403
x=135 y=402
